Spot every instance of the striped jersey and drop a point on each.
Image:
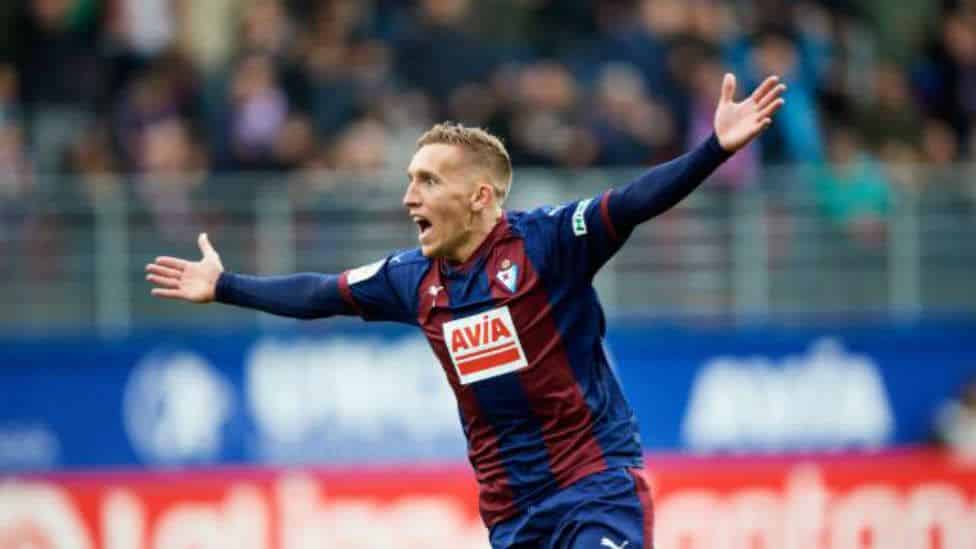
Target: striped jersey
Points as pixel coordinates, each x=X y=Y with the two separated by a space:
x=518 y=330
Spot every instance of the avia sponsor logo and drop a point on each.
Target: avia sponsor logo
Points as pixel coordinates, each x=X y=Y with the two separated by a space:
x=826 y=398
x=484 y=345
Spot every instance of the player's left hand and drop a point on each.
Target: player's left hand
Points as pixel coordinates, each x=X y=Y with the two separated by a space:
x=736 y=124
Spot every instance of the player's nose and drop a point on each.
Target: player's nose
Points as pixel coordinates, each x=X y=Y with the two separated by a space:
x=411 y=197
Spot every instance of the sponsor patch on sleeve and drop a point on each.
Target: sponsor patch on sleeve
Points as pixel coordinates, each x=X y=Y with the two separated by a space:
x=365 y=272
x=579 y=217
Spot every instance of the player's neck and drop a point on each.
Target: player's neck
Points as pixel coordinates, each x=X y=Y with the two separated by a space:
x=480 y=229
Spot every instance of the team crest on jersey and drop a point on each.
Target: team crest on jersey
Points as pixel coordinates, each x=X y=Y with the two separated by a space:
x=508 y=275
x=484 y=345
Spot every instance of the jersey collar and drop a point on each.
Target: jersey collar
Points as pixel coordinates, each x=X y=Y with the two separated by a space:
x=497 y=232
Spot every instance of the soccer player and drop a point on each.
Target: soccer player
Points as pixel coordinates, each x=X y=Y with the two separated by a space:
x=507 y=303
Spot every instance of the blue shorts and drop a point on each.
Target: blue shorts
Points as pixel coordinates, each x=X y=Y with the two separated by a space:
x=607 y=510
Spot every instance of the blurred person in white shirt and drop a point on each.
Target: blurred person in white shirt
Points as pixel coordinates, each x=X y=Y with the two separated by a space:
x=956 y=422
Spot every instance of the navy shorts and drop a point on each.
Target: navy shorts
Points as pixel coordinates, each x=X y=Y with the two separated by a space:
x=607 y=510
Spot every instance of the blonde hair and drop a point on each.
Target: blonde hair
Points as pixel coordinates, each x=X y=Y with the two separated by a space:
x=487 y=150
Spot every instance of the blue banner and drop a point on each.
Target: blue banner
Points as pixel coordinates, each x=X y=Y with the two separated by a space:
x=345 y=392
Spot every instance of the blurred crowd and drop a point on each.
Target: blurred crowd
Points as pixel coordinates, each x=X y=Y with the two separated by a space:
x=955 y=422
x=153 y=88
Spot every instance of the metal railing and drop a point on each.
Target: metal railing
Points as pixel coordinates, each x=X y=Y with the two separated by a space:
x=72 y=251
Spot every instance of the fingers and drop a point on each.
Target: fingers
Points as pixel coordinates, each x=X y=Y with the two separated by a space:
x=770 y=97
x=205 y=247
x=728 y=88
x=768 y=112
x=168 y=294
x=172 y=262
x=163 y=282
x=767 y=86
x=163 y=271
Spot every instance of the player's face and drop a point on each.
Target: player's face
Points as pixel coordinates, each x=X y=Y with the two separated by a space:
x=439 y=198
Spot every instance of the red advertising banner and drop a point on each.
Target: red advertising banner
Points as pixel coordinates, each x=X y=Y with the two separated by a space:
x=910 y=500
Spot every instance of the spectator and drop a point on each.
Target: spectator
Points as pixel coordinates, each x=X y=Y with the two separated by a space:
x=361 y=148
x=630 y=128
x=265 y=28
x=409 y=114
x=940 y=146
x=544 y=129
x=338 y=61
x=742 y=169
x=57 y=62
x=16 y=173
x=145 y=27
x=172 y=167
x=148 y=99
x=296 y=145
x=259 y=111
x=892 y=117
x=960 y=38
x=60 y=75
x=852 y=190
x=796 y=135
x=438 y=53
x=204 y=35
x=899 y=32
x=16 y=179
x=647 y=43
x=10 y=110
x=955 y=426
x=92 y=163
x=942 y=175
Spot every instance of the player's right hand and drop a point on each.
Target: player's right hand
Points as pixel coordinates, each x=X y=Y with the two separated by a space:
x=194 y=281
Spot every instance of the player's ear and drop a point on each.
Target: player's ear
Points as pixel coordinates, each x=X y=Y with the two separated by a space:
x=482 y=196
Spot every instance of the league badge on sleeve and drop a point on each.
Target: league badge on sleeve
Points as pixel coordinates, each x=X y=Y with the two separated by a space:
x=365 y=272
x=508 y=275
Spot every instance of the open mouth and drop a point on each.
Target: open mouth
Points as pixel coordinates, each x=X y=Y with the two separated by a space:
x=423 y=225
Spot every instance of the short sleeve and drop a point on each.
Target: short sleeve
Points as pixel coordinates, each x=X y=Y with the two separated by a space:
x=378 y=292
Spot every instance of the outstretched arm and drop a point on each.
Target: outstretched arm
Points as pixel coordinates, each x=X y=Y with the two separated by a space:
x=663 y=186
x=303 y=295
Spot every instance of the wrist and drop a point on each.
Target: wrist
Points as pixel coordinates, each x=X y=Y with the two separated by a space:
x=715 y=145
x=223 y=287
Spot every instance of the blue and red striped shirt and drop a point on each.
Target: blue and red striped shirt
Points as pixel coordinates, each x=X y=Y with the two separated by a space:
x=518 y=330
